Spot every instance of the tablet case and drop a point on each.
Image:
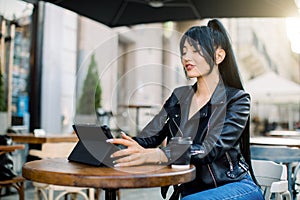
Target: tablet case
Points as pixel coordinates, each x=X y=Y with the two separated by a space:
x=92 y=147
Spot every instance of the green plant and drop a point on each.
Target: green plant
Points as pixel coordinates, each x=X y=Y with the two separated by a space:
x=3 y=107
x=90 y=98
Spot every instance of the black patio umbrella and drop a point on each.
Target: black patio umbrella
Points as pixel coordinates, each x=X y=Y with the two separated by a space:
x=130 y=12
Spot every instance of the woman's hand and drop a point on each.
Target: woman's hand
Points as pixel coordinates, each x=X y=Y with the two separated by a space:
x=134 y=154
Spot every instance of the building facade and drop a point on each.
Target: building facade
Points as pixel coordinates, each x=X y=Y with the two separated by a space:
x=140 y=65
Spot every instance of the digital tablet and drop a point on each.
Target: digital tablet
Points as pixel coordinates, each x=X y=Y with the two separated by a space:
x=92 y=147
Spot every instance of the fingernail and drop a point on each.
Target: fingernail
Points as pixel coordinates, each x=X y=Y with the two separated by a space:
x=123 y=133
x=109 y=140
x=112 y=156
x=116 y=165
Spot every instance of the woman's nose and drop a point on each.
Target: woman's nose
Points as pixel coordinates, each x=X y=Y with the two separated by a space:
x=186 y=57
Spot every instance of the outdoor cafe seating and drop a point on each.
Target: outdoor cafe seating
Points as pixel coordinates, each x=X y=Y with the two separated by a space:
x=272 y=178
x=17 y=181
x=288 y=156
x=58 y=150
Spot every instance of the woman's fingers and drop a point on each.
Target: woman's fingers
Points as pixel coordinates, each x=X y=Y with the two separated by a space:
x=123 y=152
x=128 y=158
x=134 y=159
x=132 y=155
x=124 y=142
x=126 y=136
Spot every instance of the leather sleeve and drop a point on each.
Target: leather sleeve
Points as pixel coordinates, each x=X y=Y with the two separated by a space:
x=155 y=131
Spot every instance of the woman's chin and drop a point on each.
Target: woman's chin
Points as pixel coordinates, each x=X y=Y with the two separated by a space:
x=192 y=75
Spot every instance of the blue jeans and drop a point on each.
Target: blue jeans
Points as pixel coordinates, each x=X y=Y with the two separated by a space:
x=243 y=190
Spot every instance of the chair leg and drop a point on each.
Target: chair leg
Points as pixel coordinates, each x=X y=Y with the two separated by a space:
x=91 y=192
x=50 y=194
x=97 y=193
x=20 y=189
x=287 y=195
x=119 y=195
x=40 y=191
x=36 y=194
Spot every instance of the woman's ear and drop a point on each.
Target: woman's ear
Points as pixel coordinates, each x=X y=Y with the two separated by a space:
x=220 y=55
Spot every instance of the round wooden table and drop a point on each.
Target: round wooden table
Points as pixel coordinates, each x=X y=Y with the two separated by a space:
x=60 y=171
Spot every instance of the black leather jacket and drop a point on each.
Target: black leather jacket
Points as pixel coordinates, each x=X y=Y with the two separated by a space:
x=215 y=130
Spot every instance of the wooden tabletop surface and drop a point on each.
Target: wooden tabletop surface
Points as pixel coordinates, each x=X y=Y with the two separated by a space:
x=32 y=139
x=60 y=171
x=10 y=148
x=275 y=141
x=282 y=133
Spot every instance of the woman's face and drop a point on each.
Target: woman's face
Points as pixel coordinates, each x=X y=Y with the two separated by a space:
x=194 y=63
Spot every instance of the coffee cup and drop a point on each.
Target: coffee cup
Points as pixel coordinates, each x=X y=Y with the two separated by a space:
x=179 y=149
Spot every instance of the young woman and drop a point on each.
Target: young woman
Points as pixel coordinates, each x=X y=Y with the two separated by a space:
x=214 y=112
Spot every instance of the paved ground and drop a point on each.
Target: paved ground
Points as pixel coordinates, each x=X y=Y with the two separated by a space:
x=126 y=194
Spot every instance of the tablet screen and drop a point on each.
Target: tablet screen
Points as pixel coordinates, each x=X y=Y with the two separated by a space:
x=93 y=137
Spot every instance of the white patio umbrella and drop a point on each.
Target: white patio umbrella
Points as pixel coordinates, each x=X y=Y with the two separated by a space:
x=12 y=10
x=271 y=88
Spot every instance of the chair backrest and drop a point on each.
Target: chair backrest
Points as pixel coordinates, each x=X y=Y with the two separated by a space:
x=54 y=150
x=268 y=172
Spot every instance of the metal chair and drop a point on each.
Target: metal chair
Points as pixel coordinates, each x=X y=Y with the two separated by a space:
x=279 y=154
x=272 y=178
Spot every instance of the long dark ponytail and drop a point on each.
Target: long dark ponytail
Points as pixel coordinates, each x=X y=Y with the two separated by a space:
x=231 y=77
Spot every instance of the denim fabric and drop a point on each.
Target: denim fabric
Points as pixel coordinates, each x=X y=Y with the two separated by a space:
x=243 y=190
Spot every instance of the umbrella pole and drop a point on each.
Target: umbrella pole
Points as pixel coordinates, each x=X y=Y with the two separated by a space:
x=299 y=80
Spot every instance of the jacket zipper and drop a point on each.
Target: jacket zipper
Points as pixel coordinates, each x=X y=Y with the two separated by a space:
x=229 y=160
x=212 y=175
x=172 y=134
x=243 y=166
x=209 y=169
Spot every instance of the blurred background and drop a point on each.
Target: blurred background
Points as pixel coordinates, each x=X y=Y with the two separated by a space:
x=59 y=67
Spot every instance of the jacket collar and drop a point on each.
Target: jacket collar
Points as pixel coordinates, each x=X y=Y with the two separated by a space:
x=219 y=95
x=184 y=96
